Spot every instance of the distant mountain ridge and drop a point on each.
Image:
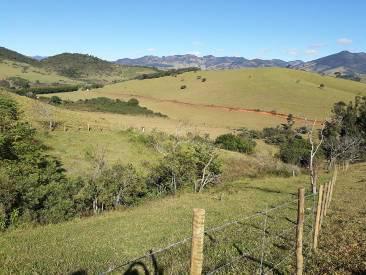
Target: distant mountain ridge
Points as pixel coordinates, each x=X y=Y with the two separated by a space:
x=208 y=62
x=342 y=62
x=38 y=57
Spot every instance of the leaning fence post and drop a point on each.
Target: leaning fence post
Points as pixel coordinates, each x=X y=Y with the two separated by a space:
x=317 y=219
x=198 y=228
x=300 y=231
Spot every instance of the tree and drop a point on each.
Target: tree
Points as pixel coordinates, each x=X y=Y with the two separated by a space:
x=186 y=161
x=344 y=134
x=208 y=166
x=32 y=184
x=45 y=113
x=313 y=153
x=94 y=188
x=122 y=186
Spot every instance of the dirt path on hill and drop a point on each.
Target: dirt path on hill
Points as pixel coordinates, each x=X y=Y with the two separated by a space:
x=225 y=108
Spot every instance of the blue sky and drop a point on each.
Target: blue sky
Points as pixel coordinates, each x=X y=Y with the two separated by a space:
x=113 y=29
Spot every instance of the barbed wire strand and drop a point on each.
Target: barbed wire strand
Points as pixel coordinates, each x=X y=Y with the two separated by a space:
x=264 y=239
x=147 y=255
x=233 y=260
x=220 y=227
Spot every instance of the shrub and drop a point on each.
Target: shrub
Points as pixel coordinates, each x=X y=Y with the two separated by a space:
x=50 y=89
x=295 y=151
x=133 y=102
x=104 y=104
x=183 y=87
x=192 y=163
x=236 y=143
x=55 y=100
x=18 y=82
x=203 y=79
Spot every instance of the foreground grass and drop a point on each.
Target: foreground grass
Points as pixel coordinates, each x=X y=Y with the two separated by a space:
x=93 y=244
x=342 y=248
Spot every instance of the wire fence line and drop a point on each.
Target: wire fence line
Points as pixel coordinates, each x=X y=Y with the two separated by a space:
x=256 y=244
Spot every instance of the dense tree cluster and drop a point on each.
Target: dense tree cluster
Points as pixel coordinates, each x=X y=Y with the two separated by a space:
x=104 y=104
x=172 y=72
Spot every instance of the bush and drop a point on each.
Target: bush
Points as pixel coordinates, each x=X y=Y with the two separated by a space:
x=50 y=89
x=55 y=100
x=236 y=143
x=192 y=163
x=295 y=151
x=18 y=82
x=203 y=79
x=183 y=87
x=173 y=72
x=133 y=102
x=104 y=104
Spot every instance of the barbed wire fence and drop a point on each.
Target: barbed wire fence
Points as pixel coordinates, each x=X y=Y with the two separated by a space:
x=266 y=242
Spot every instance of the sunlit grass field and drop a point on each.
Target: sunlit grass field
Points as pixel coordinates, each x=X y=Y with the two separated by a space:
x=26 y=71
x=94 y=244
x=267 y=89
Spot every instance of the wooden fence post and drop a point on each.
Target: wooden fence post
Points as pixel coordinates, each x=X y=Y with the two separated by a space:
x=323 y=204
x=88 y=127
x=317 y=219
x=300 y=231
x=198 y=228
x=330 y=192
x=334 y=179
x=327 y=195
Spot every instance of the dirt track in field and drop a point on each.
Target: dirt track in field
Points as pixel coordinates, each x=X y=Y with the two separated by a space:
x=224 y=108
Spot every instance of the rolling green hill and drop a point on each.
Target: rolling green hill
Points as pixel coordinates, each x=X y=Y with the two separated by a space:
x=90 y=68
x=233 y=98
x=79 y=67
x=6 y=54
x=31 y=73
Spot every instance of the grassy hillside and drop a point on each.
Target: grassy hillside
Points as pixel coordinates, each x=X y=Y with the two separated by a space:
x=90 y=68
x=93 y=244
x=32 y=73
x=6 y=54
x=108 y=131
x=266 y=89
x=67 y=65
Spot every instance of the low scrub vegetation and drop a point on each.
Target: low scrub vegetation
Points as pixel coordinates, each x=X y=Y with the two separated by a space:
x=34 y=187
x=104 y=104
x=173 y=72
x=237 y=143
x=48 y=89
